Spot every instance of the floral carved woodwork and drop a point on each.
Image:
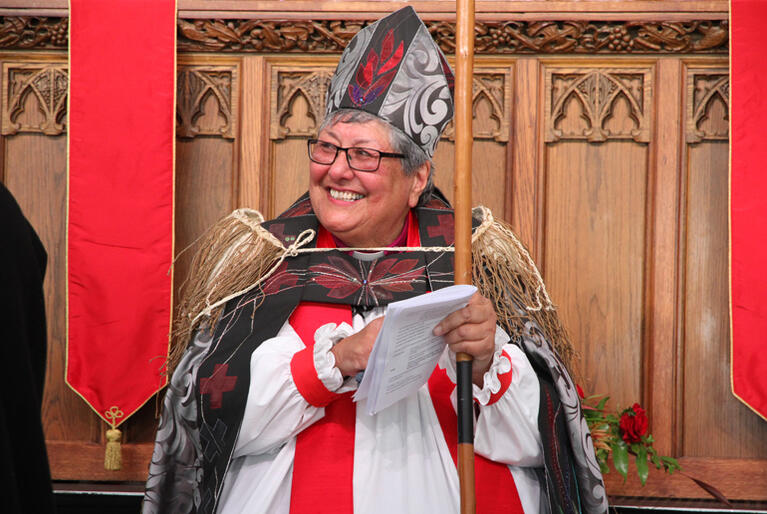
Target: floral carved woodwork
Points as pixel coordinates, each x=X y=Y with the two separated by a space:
x=206 y=103
x=590 y=37
x=708 y=101
x=322 y=36
x=34 y=98
x=298 y=103
x=598 y=104
x=331 y=36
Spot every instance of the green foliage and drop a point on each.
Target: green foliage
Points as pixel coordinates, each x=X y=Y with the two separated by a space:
x=609 y=443
x=620 y=457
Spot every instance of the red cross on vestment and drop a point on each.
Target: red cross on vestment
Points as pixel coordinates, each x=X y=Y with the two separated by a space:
x=217 y=384
x=444 y=229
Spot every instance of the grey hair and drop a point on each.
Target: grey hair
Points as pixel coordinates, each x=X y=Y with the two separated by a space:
x=415 y=156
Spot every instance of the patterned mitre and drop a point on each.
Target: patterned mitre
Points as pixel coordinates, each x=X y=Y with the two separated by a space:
x=394 y=70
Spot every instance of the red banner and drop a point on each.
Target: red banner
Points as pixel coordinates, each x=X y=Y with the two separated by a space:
x=122 y=62
x=748 y=204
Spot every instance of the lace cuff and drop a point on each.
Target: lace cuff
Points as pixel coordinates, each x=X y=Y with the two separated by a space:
x=496 y=379
x=325 y=362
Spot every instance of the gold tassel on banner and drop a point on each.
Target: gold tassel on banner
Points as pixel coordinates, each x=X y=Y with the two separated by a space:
x=113 y=459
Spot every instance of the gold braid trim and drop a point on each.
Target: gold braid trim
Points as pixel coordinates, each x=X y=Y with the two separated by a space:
x=237 y=254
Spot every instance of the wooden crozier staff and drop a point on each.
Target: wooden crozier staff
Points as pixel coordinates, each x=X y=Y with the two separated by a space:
x=464 y=69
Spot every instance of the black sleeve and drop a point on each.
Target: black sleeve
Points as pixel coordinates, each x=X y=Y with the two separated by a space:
x=24 y=473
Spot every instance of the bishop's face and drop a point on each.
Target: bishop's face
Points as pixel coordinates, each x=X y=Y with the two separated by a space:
x=363 y=209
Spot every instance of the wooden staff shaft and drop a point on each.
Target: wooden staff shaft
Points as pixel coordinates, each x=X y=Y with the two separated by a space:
x=462 y=195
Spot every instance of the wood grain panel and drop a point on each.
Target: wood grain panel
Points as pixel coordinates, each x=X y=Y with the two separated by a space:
x=35 y=172
x=70 y=460
x=715 y=423
x=594 y=257
x=661 y=358
x=290 y=174
x=142 y=426
x=524 y=149
x=742 y=479
x=204 y=192
x=254 y=142
x=488 y=178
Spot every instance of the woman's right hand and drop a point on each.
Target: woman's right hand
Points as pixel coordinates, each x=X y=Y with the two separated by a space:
x=352 y=353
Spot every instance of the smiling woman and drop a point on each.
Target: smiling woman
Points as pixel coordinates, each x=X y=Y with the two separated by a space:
x=363 y=209
x=272 y=372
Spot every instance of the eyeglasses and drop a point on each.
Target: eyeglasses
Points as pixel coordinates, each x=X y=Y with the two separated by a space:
x=358 y=158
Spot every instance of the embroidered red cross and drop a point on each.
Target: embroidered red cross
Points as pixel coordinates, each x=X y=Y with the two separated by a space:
x=444 y=229
x=217 y=384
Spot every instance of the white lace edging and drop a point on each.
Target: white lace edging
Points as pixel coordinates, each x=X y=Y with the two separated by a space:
x=325 y=338
x=491 y=384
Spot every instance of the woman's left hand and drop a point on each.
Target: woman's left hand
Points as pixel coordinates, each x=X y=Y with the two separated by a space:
x=472 y=330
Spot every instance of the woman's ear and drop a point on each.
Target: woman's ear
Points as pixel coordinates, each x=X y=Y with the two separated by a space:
x=420 y=179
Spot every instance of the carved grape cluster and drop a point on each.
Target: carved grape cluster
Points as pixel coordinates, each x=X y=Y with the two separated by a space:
x=60 y=33
x=500 y=37
x=618 y=39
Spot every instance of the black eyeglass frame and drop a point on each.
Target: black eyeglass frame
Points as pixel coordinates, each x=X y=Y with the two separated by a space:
x=381 y=154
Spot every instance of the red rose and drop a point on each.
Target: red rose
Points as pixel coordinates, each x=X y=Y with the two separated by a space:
x=580 y=391
x=633 y=424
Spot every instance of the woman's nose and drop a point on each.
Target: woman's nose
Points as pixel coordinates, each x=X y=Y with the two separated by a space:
x=340 y=168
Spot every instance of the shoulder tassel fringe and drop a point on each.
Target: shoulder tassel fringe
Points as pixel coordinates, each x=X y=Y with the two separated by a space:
x=504 y=272
x=237 y=254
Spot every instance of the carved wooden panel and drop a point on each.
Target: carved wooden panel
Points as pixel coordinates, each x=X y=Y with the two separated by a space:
x=207 y=100
x=298 y=101
x=491 y=106
x=593 y=257
x=708 y=103
x=34 y=98
x=597 y=104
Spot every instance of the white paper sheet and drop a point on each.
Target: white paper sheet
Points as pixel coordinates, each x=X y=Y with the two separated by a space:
x=405 y=351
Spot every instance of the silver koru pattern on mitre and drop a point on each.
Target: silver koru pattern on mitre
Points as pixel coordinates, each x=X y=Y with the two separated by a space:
x=394 y=70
